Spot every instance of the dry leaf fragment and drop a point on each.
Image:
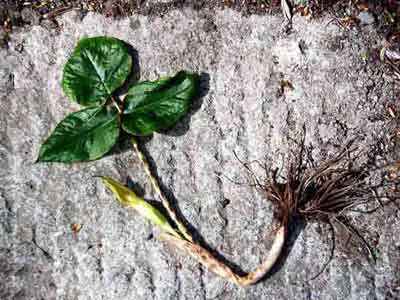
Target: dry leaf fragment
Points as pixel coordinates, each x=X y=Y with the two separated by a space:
x=392 y=111
x=286 y=84
x=349 y=21
x=304 y=11
x=363 y=6
x=75 y=227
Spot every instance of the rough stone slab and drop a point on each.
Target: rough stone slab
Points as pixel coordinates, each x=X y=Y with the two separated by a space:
x=336 y=95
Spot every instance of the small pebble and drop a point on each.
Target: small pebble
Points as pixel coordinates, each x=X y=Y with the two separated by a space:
x=366 y=18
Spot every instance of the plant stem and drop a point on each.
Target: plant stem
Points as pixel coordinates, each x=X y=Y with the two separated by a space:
x=203 y=256
x=116 y=104
x=156 y=187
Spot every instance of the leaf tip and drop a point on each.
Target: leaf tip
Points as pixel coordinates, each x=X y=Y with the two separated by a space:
x=41 y=159
x=105 y=180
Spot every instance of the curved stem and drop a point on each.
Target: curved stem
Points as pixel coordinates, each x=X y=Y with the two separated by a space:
x=115 y=103
x=213 y=264
x=201 y=254
x=157 y=189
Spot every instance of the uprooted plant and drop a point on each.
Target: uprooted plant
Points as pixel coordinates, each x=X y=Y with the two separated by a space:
x=99 y=66
x=326 y=193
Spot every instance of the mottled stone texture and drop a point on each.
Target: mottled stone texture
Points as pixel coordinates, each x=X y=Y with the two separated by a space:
x=116 y=255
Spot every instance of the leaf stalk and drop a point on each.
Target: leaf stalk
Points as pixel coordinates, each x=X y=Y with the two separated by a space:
x=156 y=187
x=115 y=103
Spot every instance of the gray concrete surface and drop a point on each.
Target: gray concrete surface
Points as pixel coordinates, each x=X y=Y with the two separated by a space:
x=337 y=95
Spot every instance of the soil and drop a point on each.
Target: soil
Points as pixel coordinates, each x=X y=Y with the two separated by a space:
x=18 y=13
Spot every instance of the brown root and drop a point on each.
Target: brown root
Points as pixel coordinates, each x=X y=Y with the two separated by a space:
x=324 y=192
x=327 y=193
x=203 y=256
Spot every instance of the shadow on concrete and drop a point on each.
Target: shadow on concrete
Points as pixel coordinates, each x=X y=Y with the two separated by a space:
x=134 y=76
x=183 y=125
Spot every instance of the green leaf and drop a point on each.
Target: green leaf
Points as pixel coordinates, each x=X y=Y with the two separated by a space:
x=128 y=198
x=97 y=67
x=156 y=105
x=84 y=135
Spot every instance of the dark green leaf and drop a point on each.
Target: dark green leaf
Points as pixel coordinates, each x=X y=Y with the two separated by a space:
x=97 y=67
x=84 y=135
x=156 y=105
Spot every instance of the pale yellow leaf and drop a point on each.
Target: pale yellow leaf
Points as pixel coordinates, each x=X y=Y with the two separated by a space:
x=128 y=198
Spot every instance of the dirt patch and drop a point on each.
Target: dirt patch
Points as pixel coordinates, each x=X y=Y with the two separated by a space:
x=17 y=13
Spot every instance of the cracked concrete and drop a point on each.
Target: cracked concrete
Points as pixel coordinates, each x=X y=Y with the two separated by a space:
x=337 y=93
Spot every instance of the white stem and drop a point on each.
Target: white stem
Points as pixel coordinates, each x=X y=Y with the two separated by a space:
x=157 y=189
x=207 y=259
x=116 y=105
